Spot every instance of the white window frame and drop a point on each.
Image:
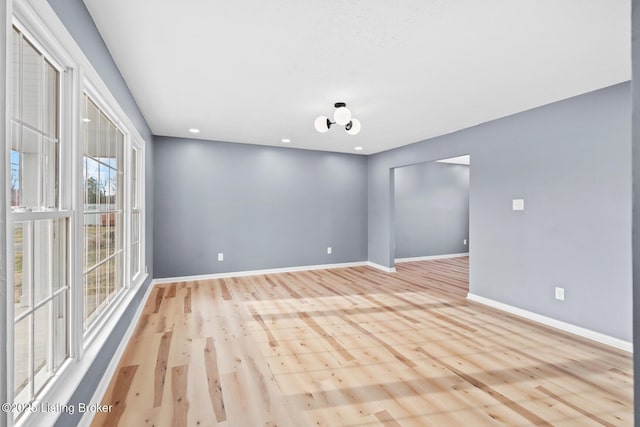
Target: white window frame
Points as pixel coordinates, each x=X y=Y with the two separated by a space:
x=140 y=208
x=56 y=58
x=95 y=96
x=44 y=29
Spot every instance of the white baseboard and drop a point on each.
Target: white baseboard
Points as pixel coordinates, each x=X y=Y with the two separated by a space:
x=432 y=257
x=381 y=267
x=257 y=272
x=548 y=321
x=110 y=371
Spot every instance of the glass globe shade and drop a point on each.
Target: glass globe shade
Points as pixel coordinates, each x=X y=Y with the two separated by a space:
x=355 y=127
x=342 y=116
x=322 y=124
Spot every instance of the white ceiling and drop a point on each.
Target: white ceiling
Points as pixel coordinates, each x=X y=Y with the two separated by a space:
x=258 y=71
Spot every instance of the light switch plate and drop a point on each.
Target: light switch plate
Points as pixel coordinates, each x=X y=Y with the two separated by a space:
x=518 y=204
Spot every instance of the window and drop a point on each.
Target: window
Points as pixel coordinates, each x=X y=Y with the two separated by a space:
x=34 y=128
x=39 y=224
x=75 y=222
x=103 y=213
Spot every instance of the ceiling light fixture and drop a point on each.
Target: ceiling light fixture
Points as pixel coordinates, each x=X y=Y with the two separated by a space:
x=286 y=140
x=342 y=116
x=194 y=130
x=358 y=148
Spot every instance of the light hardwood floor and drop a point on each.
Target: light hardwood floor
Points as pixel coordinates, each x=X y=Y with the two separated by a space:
x=356 y=346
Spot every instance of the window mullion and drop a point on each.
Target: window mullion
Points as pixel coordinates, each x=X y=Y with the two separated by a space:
x=43 y=113
x=40 y=304
x=52 y=277
x=20 y=194
x=32 y=298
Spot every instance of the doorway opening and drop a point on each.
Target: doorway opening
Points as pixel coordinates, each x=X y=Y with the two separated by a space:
x=430 y=219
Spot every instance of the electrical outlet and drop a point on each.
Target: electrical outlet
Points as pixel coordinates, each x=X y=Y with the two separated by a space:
x=464 y=241
x=560 y=293
x=220 y=256
x=329 y=250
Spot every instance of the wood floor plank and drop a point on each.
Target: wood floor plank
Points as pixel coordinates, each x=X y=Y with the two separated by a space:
x=272 y=341
x=179 y=375
x=158 y=300
x=357 y=346
x=161 y=368
x=213 y=380
x=386 y=419
x=118 y=395
x=187 y=302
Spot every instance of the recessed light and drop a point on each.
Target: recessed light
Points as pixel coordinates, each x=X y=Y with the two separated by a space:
x=286 y=140
x=358 y=148
x=86 y=120
x=194 y=130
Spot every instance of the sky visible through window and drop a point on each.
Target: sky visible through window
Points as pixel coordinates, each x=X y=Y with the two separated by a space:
x=15 y=169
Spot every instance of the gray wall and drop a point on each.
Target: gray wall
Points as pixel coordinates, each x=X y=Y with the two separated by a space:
x=431 y=215
x=635 y=50
x=570 y=162
x=263 y=207
x=78 y=22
